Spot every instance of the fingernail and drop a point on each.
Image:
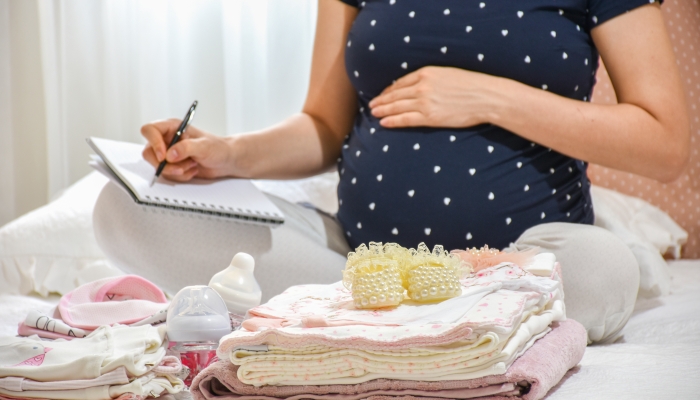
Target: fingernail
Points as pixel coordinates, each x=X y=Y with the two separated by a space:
x=173 y=154
x=159 y=155
x=177 y=171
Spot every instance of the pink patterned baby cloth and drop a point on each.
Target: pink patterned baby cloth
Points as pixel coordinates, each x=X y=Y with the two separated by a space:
x=313 y=335
x=116 y=300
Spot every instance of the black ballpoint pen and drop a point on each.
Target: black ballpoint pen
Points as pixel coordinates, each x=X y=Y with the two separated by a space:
x=183 y=126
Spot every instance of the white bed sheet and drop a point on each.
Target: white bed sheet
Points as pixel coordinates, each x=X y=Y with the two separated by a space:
x=657 y=358
x=659 y=354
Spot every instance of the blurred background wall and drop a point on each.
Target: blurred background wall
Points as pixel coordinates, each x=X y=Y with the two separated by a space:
x=79 y=68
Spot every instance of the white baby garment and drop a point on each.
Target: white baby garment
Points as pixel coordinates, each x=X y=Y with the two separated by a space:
x=138 y=349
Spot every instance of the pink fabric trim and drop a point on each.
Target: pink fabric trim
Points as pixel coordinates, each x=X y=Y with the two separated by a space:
x=256 y=323
x=130 y=396
x=490 y=259
x=281 y=338
x=169 y=365
x=314 y=321
x=125 y=285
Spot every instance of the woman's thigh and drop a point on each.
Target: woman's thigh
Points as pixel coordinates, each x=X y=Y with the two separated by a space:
x=176 y=249
x=601 y=275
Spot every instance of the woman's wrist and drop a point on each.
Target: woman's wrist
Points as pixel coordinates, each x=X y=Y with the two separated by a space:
x=500 y=97
x=237 y=165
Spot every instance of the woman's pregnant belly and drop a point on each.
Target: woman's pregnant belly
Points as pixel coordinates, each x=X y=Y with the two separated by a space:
x=455 y=187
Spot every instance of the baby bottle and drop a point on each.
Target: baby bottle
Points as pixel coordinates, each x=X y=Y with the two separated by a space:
x=197 y=319
x=238 y=287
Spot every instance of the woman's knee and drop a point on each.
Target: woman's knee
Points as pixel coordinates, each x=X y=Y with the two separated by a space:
x=112 y=209
x=601 y=275
x=171 y=248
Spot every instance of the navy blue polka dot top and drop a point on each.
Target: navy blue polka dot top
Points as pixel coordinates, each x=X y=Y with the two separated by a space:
x=472 y=186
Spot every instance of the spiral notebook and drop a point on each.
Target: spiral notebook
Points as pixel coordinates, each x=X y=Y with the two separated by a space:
x=235 y=198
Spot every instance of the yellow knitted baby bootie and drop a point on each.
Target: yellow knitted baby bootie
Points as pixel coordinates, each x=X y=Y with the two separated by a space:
x=435 y=276
x=378 y=275
x=373 y=276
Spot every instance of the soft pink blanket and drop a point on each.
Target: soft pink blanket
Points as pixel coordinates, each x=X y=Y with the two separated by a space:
x=530 y=377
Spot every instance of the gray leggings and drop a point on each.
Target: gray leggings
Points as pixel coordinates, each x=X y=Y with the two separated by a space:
x=175 y=249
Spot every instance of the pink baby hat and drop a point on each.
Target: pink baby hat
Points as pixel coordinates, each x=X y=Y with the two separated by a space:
x=116 y=300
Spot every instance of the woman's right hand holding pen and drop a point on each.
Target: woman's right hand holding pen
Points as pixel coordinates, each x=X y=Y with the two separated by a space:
x=197 y=154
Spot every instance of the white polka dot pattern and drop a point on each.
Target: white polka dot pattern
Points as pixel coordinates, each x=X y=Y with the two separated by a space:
x=680 y=199
x=399 y=185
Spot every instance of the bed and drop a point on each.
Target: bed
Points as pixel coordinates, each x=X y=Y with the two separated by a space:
x=657 y=358
x=52 y=250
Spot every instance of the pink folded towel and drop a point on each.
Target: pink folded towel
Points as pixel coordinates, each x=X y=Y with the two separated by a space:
x=529 y=378
x=117 y=300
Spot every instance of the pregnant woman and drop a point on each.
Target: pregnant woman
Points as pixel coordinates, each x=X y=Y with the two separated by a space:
x=453 y=122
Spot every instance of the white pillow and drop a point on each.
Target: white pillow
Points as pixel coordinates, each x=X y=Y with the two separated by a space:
x=646 y=230
x=53 y=249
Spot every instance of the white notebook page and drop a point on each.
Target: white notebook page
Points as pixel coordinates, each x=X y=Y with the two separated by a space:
x=230 y=197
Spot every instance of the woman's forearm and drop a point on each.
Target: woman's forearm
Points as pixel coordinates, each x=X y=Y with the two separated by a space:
x=298 y=147
x=621 y=136
x=308 y=143
x=647 y=133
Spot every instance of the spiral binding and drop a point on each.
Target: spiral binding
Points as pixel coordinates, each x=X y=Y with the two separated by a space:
x=209 y=210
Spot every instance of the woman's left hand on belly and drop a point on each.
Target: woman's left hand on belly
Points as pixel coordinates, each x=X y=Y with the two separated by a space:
x=438 y=97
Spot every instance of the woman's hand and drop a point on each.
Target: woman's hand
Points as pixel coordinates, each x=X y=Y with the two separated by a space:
x=438 y=97
x=197 y=153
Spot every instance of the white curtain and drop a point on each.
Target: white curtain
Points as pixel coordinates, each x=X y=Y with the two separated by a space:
x=102 y=68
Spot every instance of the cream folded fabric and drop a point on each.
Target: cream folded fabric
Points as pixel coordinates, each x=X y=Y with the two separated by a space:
x=146 y=385
x=17 y=384
x=490 y=354
x=137 y=349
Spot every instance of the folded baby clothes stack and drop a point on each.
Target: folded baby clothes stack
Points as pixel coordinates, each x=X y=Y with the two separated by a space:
x=108 y=363
x=312 y=342
x=95 y=354
x=530 y=377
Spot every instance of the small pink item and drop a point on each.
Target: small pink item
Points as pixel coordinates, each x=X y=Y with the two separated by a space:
x=257 y=324
x=116 y=300
x=34 y=361
x=486 y=257
x=169 y=365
